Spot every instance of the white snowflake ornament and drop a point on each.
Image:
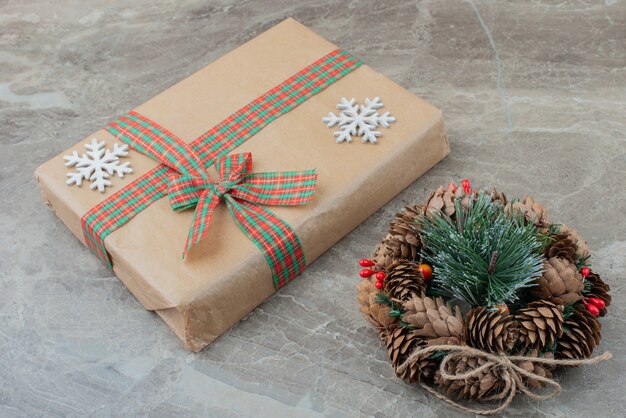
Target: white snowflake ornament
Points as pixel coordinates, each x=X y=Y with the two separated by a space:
x=358 y=120
x=97 y=165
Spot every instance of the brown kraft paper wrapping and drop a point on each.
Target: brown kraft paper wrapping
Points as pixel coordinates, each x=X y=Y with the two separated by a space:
x=225 y=276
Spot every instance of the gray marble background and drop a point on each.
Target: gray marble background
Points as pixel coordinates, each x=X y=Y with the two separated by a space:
x=534 y=99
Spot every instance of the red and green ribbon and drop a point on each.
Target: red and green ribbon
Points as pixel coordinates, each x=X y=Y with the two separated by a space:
x=182 y=176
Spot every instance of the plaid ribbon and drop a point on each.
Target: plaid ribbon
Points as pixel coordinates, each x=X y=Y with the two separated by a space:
x=148 y=137
x=243 y=190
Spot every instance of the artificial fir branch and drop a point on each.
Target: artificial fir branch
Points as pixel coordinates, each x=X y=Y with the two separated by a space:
x=386 y=300
x=568 y=311
x=396 y=308
x=582 y=262
x=548 y=348
x=546 y=237
x=485 y=255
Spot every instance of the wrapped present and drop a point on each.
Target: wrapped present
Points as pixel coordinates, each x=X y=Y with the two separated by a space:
x=212 y=195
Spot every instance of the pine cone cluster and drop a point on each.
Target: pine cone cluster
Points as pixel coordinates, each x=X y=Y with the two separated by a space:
x=561 y=283
x=540 y=324
x=499 y=197
x=383 y=256
x=402 y=240
x=433 y=319
x=494 y=331
x=533 y=211
x=537 y=369
x=581 y=335
x=441 y=201
x=582 y=248
x=404 y=280
x=400 y=344
x=485 y=385
x=550 y=319
x=375 y=312
x=562 y=247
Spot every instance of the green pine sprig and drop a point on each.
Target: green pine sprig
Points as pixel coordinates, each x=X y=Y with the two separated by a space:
x=582 y=262
x=396 y=309
x=484 y=256
x=568 y=310
x=546 y=238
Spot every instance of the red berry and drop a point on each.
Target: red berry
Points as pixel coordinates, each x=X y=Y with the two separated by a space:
x=380 y=276
x=427 y=271
x=585 y=271
x=366 y=263
x=597 y=302
x=379 y=285
x=593 y=309
x=367 y=272
x=466 y=184
x=452 y=186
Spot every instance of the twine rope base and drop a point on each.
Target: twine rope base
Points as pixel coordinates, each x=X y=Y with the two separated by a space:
x=511 y=374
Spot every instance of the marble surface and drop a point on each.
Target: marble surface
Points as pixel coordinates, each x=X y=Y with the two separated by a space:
x=534 y=100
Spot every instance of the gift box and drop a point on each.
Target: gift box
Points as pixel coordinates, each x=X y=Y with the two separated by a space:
x=242 y=173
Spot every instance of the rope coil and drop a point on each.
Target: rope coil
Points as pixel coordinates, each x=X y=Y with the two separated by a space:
x=510 y=373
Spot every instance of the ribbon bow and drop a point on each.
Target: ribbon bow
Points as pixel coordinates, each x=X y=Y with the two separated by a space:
x=242 y=191
x=189 y=184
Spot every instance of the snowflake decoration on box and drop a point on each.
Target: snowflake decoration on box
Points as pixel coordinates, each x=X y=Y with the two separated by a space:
x=358 y=120
x=97 y=165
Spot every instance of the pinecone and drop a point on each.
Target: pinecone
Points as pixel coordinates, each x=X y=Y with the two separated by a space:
x=404 y=280
x=486 y=384
x=376 y=313
x=399 y=244
x=400 y=344
x=540 y=324
x=497 y=196
x=562 y=247
x=402 y=241
x=582 y=248
x=581 y=336
x=538 y=369
x=442 y=200
x=434 y=320
x=533 y=212
x=561 y=283
x=407 y=219
x=383 y=256
x=493 y=331
x=598 y=289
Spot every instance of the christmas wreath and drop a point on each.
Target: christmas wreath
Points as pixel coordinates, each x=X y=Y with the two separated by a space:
x=478 y=298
